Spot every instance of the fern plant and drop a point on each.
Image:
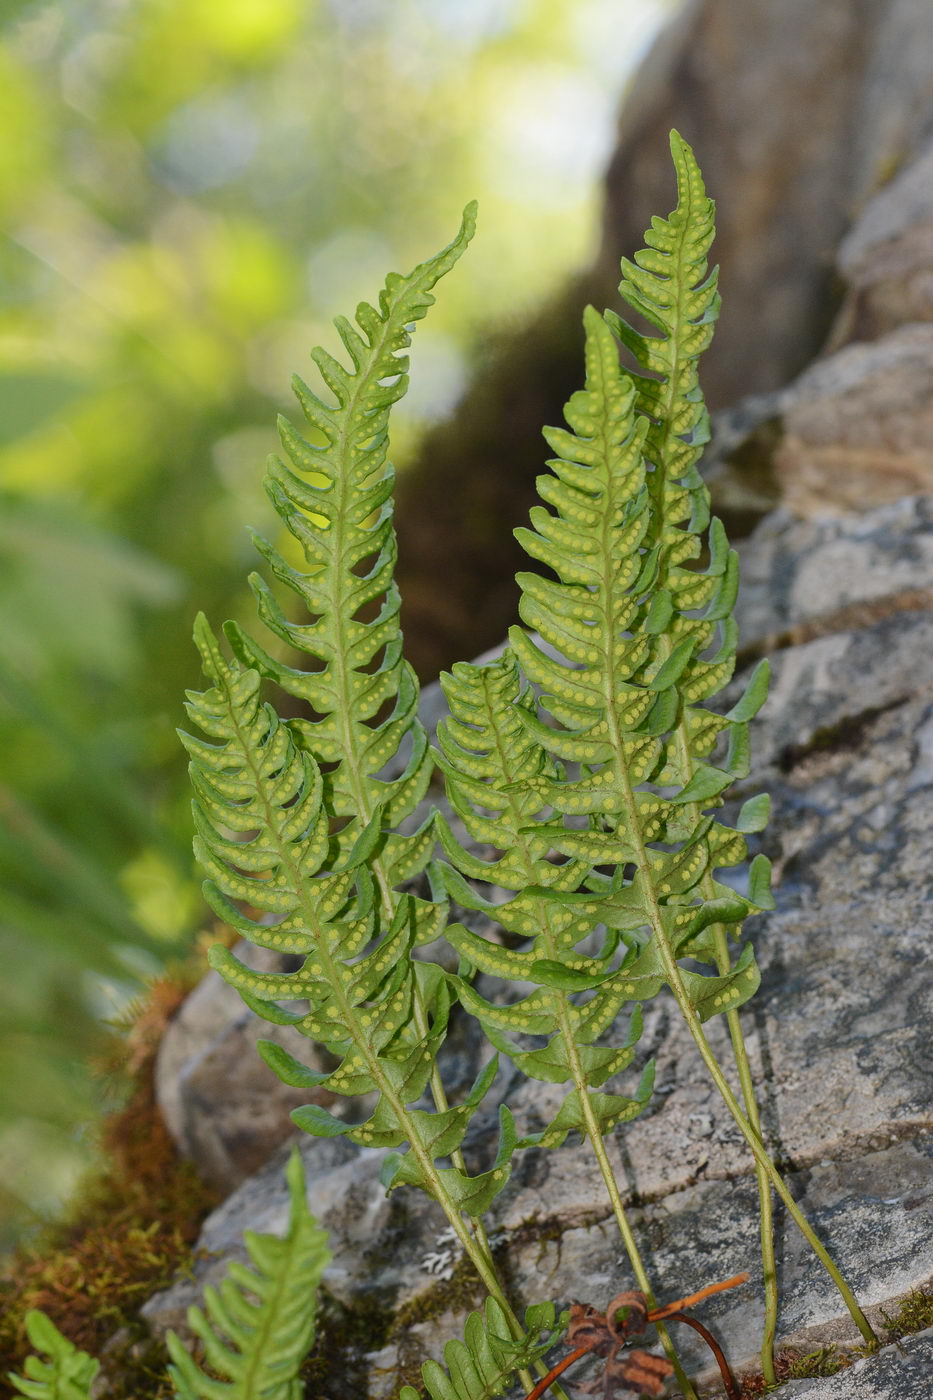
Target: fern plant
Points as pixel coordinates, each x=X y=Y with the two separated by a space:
x=294 y=819
x=66 y=1373
x=588 y=757
x=484 y=1364
x=256 y=1348
x=637 y=641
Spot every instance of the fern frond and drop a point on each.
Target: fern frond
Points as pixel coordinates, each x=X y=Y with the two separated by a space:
x=356 y=978
x=620 y=688
x=333 y=492
x=492 y=759
x=259 y=1325
x=67 y=1374
x=488 y=1359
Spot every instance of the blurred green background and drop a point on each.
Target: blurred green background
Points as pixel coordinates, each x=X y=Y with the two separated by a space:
x=189 y=190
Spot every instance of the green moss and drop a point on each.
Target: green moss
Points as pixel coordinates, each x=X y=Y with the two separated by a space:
x=825 y=1361
x=914 y=1314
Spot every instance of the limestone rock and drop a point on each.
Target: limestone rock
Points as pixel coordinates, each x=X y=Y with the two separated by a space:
x=225 y=1109
x=858 y=426
x=886 y=258
x=802 y=579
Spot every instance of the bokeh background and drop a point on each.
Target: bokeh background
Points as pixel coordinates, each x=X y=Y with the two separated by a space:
x=189 y=190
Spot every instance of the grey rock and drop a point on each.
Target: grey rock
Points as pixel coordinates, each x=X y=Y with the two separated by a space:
x=804 y=577
x=900 y=1372
x=886 y=258
x=224 y=1107
x=857 y=427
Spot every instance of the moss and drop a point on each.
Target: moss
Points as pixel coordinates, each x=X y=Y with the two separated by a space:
x=130 y=1229
x=915 y=1314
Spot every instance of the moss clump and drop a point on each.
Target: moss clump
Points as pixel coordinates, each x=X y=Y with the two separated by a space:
x=130 y=1229
x=915 y=1314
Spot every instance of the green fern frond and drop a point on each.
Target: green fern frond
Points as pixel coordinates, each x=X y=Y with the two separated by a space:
x=488 y=1359
x=259 y=1325
x=620 y=683
x=492 y=760
x=67 y=1374
x=334 y=494
x=357 y=978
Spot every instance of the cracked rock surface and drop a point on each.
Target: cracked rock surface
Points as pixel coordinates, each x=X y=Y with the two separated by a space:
x=838 y=1034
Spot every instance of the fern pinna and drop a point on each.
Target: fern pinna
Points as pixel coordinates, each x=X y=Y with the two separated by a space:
x=258 y=1346
x=484 y=1364
x=62 y=1372
x=322 y=858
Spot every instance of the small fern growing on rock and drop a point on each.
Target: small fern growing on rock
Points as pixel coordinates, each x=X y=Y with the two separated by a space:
x=62 y=1372
x=258 y=1347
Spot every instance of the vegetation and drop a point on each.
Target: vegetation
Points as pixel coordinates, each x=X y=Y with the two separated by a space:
x=597 y=783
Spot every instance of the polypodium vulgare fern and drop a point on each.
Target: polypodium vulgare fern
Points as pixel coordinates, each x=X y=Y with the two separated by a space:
x=484 y=1364
x=325 y=857
x=668 y=395
x=258 y=1346
x=631 y=627
x=598 y=784
x=66 y=1373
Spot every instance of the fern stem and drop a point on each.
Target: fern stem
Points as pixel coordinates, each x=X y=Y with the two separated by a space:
x=740 y=1055
x=694 y=1025
x=631 y=1246
x=765 y=1208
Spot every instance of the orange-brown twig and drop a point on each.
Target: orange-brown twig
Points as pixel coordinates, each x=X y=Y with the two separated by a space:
x=725 y=1370
x=547 y=1381
x=658 y=1314
x=605 y=1335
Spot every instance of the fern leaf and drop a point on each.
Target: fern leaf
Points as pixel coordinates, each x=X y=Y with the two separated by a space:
x=333 y=492
x=259 y=1326
x=315 y=899
x=66 y=1374
x=495 y=768
x=620 y=673
x=488 y=1359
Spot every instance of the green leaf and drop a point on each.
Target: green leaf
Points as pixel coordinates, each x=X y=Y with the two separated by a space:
x=260 y=1324
x=66 y=1374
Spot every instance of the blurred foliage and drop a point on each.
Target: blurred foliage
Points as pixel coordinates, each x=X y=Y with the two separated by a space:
x=188 y=192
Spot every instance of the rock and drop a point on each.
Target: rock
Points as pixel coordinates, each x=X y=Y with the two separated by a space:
x=838 y=1034
x=224 y=1107
x=857 y=427
x=802 y=579
x=886 y=258
x=899 y=1372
